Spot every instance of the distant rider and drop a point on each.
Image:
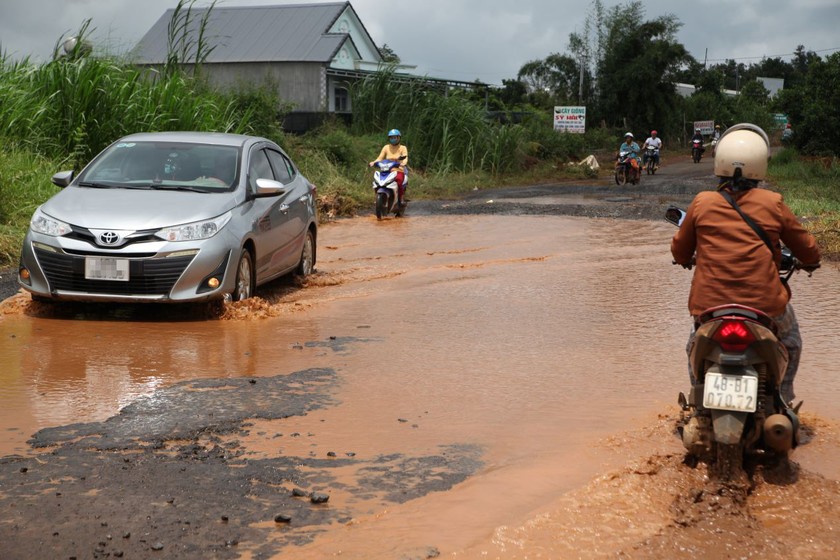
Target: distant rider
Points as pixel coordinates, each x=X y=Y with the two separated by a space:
x=630 y=145
x=698 y=136
x=732 y=263
x=787 y=135
x=715 y=137
x=655 y=142
x=393 y=150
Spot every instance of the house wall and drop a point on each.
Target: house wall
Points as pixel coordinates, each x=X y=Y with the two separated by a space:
x=302 y=83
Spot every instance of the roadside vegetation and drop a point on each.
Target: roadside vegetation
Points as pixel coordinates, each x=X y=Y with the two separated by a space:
x=57 y=115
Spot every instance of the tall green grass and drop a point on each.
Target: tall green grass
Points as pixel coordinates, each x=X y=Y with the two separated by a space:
x=24 y=184
x=445 y=130
x=811 y=186
x=75 y=108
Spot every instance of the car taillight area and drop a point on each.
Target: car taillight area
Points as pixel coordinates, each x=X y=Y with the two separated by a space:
x=733 y=335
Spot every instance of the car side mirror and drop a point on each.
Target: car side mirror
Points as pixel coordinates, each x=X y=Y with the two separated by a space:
x=675 y=215
x=62 y=178
x=269 y=187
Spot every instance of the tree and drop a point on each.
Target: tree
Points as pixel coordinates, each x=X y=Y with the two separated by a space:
x=711 y=82
x=512 y=92
x=557 y=74
x=819 y=131
x=642 y=59
x=388 y=55
x=756 y=92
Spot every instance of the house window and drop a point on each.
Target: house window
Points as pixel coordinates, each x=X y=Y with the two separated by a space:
x=342 y=100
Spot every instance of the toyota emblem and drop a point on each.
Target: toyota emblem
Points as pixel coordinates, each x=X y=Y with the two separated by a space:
x=109 y=238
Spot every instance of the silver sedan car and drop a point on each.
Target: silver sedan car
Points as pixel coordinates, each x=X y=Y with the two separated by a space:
x=172 y=217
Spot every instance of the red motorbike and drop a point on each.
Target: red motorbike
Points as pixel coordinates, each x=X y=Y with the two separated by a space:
x=696 y=150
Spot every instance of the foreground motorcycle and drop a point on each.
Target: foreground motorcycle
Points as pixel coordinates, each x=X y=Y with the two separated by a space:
x=650 y=159
x=696 y=150
x=734 y=414
x=386 y=189
x=625 y=171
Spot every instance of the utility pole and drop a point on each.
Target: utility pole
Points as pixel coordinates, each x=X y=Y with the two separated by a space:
x=705 y=57
x=580 y=81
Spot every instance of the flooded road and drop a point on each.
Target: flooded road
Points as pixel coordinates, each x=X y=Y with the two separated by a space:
x=544 y=352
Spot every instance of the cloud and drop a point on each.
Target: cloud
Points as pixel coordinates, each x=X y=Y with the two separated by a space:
x=468 y=39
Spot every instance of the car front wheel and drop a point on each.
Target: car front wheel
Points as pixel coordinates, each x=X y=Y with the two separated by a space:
x=244 y=277
x=307 y=256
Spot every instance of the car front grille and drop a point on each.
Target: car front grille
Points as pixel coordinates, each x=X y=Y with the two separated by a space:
x=147 y=277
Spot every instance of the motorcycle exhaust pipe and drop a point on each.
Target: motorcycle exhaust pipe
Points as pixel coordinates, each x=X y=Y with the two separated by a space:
x=778 y=433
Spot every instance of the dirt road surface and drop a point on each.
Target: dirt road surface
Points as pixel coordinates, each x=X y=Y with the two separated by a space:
x=320 y=448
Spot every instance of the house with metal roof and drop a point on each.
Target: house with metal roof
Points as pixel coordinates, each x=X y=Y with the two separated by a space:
x=308 y=52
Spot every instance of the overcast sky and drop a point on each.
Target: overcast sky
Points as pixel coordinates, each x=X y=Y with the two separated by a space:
x=487 y=40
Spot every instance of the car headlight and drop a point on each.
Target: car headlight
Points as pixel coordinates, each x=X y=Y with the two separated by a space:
x=204 y=229
x=41 y=223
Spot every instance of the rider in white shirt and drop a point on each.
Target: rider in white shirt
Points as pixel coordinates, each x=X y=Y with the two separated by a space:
x=656 y=142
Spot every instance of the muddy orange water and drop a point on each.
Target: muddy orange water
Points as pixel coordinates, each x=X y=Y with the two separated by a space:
x=553 y=343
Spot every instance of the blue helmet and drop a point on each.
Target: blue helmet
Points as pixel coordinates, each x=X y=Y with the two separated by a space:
x=394 y=132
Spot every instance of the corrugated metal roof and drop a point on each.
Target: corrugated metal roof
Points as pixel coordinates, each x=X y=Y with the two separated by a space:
x=282 y=33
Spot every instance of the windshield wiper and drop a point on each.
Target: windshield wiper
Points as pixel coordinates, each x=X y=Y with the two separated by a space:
x=97 y=185
x=178 y=188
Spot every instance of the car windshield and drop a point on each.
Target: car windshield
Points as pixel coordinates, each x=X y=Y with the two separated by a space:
x=164 y=165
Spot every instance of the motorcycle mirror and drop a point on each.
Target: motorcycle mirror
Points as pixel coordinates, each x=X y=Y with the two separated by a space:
x=675 y=215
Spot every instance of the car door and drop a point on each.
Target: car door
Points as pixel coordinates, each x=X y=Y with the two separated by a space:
x=271 y=214
x=297 y=213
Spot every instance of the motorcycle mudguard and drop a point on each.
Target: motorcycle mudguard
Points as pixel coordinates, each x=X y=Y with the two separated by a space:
x=728 y=426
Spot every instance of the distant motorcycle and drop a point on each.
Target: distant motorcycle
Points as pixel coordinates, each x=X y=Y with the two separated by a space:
x=650 y=159
x=696 y=150
x=734 y=414
x=386 y=189
x=625 y=171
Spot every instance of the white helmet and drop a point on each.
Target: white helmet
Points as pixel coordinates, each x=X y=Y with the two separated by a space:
x=745 y=147
x=630 y=134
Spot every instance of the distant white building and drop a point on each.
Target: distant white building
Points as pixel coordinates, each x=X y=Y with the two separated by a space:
x=773 y=85
x=687 y=90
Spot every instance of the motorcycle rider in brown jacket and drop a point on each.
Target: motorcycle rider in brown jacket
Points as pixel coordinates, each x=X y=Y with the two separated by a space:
x=733 y=264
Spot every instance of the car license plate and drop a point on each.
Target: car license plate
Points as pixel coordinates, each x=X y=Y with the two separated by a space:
x=106 y=268
x=730 y=392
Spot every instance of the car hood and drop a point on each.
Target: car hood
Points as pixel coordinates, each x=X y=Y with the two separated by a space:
x=134 y=209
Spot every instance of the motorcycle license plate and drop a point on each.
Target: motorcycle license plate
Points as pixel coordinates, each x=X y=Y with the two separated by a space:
x=730 y=392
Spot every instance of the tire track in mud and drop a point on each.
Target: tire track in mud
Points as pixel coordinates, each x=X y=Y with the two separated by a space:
x=659 y=508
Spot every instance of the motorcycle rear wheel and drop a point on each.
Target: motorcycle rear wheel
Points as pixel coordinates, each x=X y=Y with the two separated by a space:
x=729 y=463
x=381 y=205
x=620 y=176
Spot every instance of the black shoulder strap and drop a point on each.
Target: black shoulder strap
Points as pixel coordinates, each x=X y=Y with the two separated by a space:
x=756 y=228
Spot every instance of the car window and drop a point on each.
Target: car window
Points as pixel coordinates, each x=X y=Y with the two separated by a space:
x=283 y=169
x=149 y=164
x=259 y=168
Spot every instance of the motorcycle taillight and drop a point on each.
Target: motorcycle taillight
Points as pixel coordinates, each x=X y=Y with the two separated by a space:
x=733 y=336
